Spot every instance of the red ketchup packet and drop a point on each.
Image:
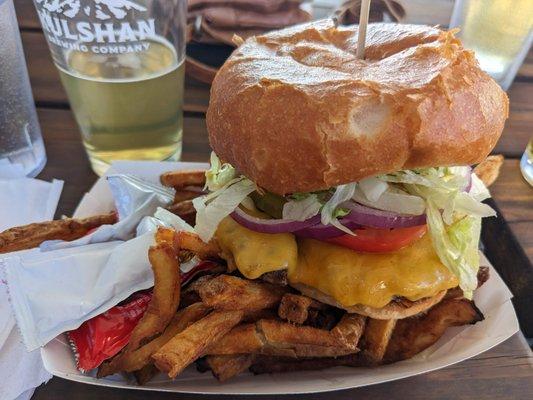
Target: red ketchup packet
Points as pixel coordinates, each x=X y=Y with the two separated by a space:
x=202 y=266
x=105 y=335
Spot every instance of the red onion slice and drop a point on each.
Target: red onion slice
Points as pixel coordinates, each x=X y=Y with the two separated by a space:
x=271 y=225
x=366 y=216
x=322 y=232
x=468 y=186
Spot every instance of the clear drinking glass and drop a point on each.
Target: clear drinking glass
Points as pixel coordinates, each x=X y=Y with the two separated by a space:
x=20 y=136
x=526 y=163
x=499 y=31
x=121 y=63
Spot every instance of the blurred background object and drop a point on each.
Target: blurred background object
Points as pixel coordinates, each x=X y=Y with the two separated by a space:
x=212 y=24
x=416 y=11
x=380 y=10
x=526 y=162
x=499 y=31
x=21 y=144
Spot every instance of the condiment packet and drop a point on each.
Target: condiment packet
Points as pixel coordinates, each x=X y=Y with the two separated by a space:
x=105 y=335
x=130 y=193
x=165 y=218
x=134 y=199
x=56 y=291
x=172 y=220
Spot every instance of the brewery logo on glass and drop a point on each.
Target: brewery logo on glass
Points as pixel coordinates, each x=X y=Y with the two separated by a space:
x=97 y=26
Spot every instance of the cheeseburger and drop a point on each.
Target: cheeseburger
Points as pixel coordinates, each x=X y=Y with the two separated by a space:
x=352 y=177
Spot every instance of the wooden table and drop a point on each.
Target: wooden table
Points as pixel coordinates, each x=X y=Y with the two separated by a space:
x=505 y=372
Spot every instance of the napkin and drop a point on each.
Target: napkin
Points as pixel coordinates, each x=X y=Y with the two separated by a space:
x=22 y=201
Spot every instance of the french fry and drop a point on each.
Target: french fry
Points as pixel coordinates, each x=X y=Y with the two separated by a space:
x=166 y=295
x=179 y=179
x=226 y=367
x=413 y=335
x=190 y=344
x=276 y=277
x=278 y=338
x=166 y=236
x=350 y=329
x=184 y=210
x=190 y=295
x=187 y=194
x=192 y=242
x=489 y=169
x=226 y=292
x=243 y=339
x=145 y=374
x=136 y=360
x=32 y=235
x=302 y=341
x=256 y=315
x=376 y=339
x=295 y=308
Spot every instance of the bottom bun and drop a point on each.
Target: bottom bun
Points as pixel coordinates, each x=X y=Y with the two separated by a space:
x=394 y=310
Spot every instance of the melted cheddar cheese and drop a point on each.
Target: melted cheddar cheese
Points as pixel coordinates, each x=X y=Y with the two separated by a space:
x=254 y=253
x=372 y=279
x=349 y=277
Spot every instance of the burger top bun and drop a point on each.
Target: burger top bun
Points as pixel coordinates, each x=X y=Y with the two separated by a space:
x=295 y=110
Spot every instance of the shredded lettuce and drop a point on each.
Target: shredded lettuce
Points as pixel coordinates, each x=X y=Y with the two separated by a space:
x=373 y=188
x=457 y=246
x=329 y=211
x=478 y=190
x=446 y=178
x=218 y=175
x=453 y=215
x=302 y=209
x=394 y=200
x=214 y=207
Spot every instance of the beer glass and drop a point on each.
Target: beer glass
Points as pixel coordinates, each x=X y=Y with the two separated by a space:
x=121 y=63
x=499 y=31
x=526 y=163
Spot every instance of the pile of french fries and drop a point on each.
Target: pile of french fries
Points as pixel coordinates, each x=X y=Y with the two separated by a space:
x=228 y=324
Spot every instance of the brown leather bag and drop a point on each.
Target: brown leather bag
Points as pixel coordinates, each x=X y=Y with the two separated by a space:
x=217 y=21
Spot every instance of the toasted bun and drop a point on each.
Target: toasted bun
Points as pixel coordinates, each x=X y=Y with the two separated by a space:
x=394 y=310
x=295 y=111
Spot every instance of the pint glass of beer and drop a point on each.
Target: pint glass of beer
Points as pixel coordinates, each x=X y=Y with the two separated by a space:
x=499 y=31
x=121 y=63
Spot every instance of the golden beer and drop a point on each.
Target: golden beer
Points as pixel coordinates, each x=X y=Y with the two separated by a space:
x=128 y=106
x=526 y=163
x=497 y=31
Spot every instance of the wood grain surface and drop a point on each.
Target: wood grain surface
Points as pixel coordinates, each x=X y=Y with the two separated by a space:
x=505 y=372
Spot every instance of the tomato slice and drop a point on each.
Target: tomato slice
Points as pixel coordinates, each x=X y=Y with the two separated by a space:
x=373 y=240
